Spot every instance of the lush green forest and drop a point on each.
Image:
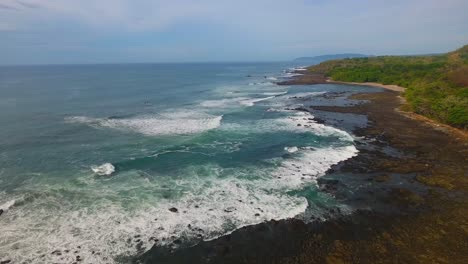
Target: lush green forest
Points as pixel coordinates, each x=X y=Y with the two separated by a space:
x=437 y=86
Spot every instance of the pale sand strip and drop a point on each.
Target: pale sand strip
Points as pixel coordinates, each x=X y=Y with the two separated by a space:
x=385 y=86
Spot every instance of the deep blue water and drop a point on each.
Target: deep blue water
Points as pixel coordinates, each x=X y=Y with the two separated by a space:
x=93 y=155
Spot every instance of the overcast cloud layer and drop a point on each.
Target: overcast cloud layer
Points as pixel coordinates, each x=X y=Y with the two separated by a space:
x=99 y=31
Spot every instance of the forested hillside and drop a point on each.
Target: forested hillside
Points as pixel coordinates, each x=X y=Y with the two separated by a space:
x=437 y=86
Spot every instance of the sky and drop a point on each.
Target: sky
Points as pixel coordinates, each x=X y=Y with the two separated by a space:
x=121 y=31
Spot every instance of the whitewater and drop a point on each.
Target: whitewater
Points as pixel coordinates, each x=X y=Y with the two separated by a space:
x=111 y=160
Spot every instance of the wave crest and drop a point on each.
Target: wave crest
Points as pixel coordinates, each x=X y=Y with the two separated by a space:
x=166 y=124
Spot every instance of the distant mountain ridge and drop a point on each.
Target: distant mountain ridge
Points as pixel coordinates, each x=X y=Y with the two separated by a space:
x=322 y=58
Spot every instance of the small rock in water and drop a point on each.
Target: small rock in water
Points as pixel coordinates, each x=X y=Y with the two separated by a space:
x=1 y=211
x=139 y=246
x=5 y=261
x=173 y=209
x=229 y=209
x=257 y=214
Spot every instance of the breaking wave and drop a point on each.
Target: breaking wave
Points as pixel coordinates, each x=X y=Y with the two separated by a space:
x=166 y=124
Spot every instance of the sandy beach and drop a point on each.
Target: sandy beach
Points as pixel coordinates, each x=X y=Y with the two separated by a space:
x=385 y=86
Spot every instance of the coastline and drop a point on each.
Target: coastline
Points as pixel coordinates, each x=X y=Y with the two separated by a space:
x=315 y=78
x=391 y=87
x=306 y=78
x=411 y=206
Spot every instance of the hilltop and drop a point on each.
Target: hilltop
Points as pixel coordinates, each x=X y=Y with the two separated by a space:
x=436 y=85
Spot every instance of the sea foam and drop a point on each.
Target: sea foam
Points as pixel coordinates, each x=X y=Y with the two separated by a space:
x=105 y=169
x=207 y=207
x=165 y=124
x=7 y=205
x=233 y=102
x=214 y=206
x=291 y=149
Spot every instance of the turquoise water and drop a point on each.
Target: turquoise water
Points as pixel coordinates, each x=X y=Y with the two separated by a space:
x=94 y=156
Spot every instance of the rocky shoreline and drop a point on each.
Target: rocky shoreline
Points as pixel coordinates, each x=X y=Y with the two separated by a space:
x=409 y=185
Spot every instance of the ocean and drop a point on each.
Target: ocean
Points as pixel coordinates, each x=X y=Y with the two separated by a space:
x=105 y=161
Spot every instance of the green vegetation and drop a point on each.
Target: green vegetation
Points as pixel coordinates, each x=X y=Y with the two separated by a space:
x=437 y=86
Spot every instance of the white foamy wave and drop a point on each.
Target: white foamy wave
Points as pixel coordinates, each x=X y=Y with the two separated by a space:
x=251 y=102
x=208 y=207
x=272 y=78
x=310 y=164
x=303 y=121
x=105 y=169
x=233 y=102
x=164 y=124
x=308 y=94
x=223 y=103
x=300 y=122
x=290 y=75
x=276 y=93
x=106 y=229
x=291 y=149
x=7 y=205
x=261 y=84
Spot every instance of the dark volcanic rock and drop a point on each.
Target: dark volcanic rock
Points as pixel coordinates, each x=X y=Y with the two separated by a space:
x=1 y=211
x=173 y=209
x=382 y=178
x=302 y=109
x=319 y=120
x=329 y=186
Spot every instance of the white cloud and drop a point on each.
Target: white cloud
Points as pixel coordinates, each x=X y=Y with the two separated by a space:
x=251 y=28
x=262 y=16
